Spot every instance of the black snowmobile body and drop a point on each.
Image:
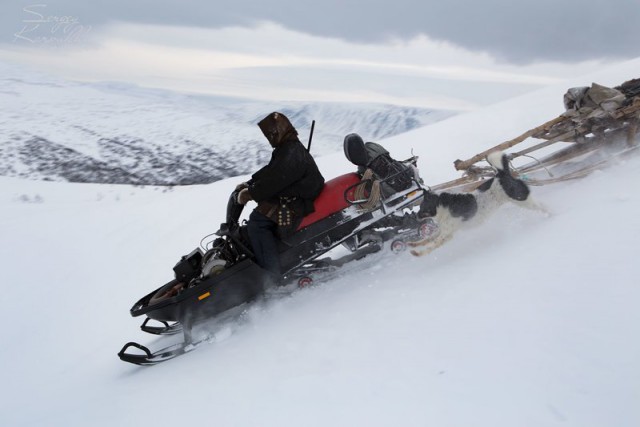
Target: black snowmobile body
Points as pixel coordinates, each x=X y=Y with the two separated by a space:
x=200 y=291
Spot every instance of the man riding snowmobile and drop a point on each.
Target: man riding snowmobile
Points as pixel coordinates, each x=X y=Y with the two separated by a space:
x=358 y=211
x=284 y=190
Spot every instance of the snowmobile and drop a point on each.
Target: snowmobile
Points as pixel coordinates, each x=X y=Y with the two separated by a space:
x=360 y=211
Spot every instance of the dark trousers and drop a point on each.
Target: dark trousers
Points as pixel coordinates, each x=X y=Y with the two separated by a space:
x=264 y=242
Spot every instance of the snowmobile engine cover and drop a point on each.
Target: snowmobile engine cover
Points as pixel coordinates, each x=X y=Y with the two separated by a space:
x=188 y=267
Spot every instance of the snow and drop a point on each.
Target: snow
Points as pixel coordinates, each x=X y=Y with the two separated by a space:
x=528 y=320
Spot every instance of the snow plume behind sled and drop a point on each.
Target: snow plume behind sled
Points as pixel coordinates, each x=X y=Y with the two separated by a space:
x=450 y=212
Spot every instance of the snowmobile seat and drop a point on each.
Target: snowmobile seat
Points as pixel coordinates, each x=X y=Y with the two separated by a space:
x=364 y=155
x=355 y=150
x=331 y=198
x=395 y=175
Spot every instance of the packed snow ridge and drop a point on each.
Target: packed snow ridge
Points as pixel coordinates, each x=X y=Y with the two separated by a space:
x=51 y=129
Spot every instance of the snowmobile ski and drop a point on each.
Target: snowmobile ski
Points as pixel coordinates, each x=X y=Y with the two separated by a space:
x=153 y=358
x=167 y=329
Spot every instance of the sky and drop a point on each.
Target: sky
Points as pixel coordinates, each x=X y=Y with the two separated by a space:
x=456 y=54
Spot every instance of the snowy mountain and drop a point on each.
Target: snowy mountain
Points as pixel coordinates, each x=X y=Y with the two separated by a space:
x=528 y=320
x=57 y=130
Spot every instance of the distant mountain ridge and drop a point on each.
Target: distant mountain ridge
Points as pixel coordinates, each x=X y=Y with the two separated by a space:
x=51 y=129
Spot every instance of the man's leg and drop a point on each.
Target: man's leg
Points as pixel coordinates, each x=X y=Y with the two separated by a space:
x=264 y=242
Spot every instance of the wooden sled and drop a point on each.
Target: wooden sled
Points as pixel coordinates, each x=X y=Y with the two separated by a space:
x=569 y=146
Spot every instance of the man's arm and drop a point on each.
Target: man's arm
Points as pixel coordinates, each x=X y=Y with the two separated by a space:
x=283 y=170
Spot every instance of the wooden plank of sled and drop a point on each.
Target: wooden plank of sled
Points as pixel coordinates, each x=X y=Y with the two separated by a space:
x=463 y=181
x=586 y=169
x=460 y=165
x=627 y=111
x=634 y=112
x=560 y=156
x=632 y=131
x=567 y=135
x=582 y=172
x=452 y=184
x=584 y=124
x=630 y=112
x=464 y=185
x=574 y=150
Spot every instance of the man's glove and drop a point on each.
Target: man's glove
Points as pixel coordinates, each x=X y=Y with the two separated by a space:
x=244 y=196
x=242 y=185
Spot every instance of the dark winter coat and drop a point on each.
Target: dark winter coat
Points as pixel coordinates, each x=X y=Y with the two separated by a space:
x=292 y=172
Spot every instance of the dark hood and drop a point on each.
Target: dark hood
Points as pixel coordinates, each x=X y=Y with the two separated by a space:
x=277 y=128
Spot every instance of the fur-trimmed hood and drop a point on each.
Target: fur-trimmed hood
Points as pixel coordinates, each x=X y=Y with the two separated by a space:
x=277 y=128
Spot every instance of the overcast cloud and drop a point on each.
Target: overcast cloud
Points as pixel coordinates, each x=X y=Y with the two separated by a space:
x=511 y=30
x=449 y=54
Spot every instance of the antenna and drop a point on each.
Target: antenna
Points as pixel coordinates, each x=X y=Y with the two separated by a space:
x=313 y=125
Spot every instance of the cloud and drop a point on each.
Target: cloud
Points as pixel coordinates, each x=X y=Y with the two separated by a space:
x=260 y=59
x=514 y=31
x=272 y=62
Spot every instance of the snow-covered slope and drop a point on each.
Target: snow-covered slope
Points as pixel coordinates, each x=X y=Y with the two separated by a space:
x=528 y=320
x=115 y=133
